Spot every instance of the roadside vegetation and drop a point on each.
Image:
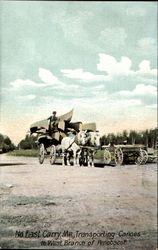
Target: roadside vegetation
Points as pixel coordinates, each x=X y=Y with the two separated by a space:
x=34 y=153
x=28 y=146
x=6 y=144
x=24 y=152
x=29 y=142
x=147 y=138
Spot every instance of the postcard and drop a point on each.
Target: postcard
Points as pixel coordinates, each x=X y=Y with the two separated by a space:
x=78 y=136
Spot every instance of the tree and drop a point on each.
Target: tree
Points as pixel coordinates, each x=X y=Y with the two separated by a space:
x=6 y=144
x=104 y=140
x=132 y=137
x=146 y=137
x=1 y=138
x=7 y=141
x=28 y=142
x=152 y=138
x=138 y=138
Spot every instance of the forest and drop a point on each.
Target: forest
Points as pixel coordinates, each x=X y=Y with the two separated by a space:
x=146 y=137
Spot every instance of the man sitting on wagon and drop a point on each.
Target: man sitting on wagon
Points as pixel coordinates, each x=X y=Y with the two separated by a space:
x=54 y=120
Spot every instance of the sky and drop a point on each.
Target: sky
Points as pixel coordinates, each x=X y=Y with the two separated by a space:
x=96 y=57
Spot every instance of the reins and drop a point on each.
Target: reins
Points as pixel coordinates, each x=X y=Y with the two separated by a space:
x=74 y=141
x=71 y=144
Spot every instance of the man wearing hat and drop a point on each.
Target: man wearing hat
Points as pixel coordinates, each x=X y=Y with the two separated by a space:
x=54 y=120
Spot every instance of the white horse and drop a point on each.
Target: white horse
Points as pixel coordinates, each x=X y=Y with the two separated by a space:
x=72 y=145
x=93 y=140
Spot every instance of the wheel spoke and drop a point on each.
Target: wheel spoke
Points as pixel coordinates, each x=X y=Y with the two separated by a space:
x=52 y=154
x=140 y=157
x=41 y=153
x=118 y=156
x=107 y=157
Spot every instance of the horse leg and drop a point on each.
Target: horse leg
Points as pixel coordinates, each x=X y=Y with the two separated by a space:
x=88 y=159
x=63 y=158
x=78 y=158
x=92 y=157
x=74 y=157
x=68 y=159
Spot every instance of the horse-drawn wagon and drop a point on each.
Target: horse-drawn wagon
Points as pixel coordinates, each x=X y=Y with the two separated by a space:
x=66 y=139
x=49 y=139
x=127 y=154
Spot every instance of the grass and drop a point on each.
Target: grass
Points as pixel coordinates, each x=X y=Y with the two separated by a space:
x=24 y=152
x=34 y=153
x=99 y=154
x=18 y=220
x=25 y=201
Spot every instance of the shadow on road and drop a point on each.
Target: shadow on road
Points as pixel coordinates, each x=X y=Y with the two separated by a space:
x=11 y=164
x=99 y=165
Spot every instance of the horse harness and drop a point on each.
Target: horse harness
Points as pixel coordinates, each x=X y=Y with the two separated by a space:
x=74 y=141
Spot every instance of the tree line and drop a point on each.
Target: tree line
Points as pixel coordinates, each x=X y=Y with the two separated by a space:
x=6 y=144
x=147 y=137
x=29 y=142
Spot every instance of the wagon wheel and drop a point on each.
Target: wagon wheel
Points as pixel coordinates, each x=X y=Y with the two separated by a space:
x=145 y=156
x=140 y=158
x=107 y=156
x=52 y=154
x=118 y=156
x=41 y=153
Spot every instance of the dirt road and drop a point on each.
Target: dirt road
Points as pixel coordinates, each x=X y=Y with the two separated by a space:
x=70 y=207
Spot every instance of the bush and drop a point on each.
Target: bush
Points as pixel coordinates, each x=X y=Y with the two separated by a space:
x=5 y=144
x=26 y=152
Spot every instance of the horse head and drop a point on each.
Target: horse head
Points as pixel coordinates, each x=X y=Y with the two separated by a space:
x=81 y=137
x=95 y=138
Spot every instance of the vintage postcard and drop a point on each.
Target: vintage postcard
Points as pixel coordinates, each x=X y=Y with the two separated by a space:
x=78 y=136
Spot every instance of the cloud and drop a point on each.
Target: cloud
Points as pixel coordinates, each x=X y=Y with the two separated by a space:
x=133 y=88
x=73 y=26
x=147 y=46
x=52 y=81
x=144 y=68
x=28 y=97
x=140 y=90
x=146 y=42
x=109 y=64
x=47 y=77
x=49 y=80
x=80 y=75
x=113 y=37
x=115 y=71
x=135 y=11
x=152 y=106
x=121 y=70
x=98 y=87
x=106 y=101
x=27 y=90
x=128 y=103
x=20 y=83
